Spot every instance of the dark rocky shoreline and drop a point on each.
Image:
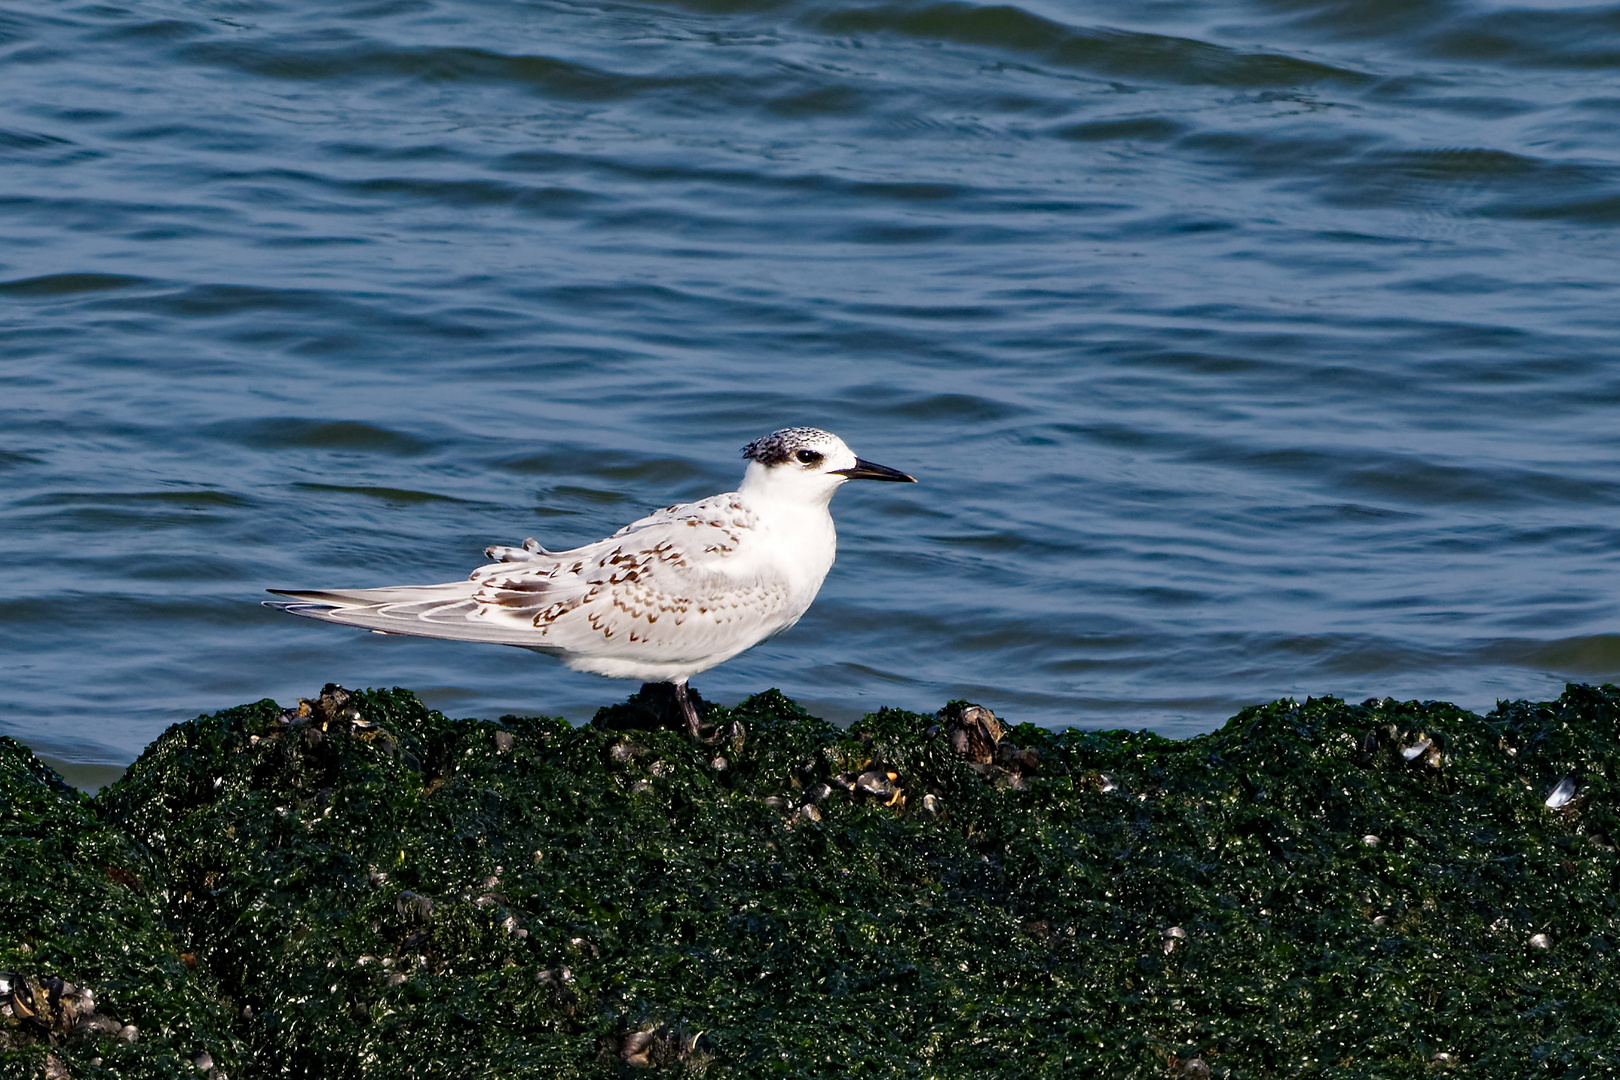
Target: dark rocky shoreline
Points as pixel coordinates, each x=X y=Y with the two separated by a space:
x=361 y=887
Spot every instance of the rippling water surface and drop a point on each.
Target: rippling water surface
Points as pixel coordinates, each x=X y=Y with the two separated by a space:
x=1242 y=349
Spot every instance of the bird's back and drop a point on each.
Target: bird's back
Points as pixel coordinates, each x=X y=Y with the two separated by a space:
x=665 y=597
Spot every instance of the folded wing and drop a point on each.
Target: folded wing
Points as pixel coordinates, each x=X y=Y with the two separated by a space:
x=677 y=586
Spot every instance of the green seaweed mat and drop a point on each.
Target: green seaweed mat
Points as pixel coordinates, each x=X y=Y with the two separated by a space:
x=81 y=901
x=370 y=889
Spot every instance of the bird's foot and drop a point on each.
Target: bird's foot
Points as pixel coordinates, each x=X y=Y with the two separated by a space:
x=694 y=723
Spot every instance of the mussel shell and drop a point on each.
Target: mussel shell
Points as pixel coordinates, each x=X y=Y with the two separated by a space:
x=1562 y=794
x=1413 y=752
x=875 y=784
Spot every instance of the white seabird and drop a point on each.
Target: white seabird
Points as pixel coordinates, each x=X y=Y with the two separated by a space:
x=683 y=589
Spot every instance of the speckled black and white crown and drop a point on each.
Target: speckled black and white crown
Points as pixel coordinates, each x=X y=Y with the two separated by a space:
x=779 y=446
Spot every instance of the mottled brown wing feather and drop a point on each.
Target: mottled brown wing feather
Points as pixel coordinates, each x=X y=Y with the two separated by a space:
x=663 y=588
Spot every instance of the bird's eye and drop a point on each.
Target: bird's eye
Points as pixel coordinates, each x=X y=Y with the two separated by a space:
x=808 y=457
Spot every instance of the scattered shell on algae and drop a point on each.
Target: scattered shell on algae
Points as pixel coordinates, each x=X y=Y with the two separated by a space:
x=1562 y=795
x=92 y=974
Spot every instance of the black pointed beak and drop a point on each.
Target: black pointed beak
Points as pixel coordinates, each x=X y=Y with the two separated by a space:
x=865 y=470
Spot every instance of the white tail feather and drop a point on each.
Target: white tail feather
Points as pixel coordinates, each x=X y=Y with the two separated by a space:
x=437 y=611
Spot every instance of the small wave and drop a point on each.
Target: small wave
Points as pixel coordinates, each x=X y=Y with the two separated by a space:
x=548 y=77
x=1140 y=128
x=31 y=140
x=1099 y=51
x=297 y=433
x=1539 y=37
x=68 y=284
x=1586 y=657
x=85 y=512
x=386 y=494
x=156 y=30
x=1409 y=479
x=306 y=61
x=190 y=499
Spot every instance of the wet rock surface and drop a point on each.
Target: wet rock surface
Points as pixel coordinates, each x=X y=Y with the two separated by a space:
x=361 y=887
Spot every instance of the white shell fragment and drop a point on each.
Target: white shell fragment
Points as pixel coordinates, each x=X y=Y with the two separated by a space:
x=1562 y=794
x=1540 y=941
x=1411 y=752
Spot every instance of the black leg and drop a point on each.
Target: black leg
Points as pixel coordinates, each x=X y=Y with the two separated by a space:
x=688 y=712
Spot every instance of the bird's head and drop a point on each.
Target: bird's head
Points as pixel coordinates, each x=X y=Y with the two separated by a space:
x=807 y=465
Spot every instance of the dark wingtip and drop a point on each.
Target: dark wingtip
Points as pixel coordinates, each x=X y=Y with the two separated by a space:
x=299 y=602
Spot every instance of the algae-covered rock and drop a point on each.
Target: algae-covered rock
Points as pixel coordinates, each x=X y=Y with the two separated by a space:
x=91 y=982
x=1315 y=889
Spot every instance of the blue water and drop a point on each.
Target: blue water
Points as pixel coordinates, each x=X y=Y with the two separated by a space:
x=1243 y=350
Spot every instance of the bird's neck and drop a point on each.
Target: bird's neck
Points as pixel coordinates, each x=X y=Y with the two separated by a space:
x=768 y=491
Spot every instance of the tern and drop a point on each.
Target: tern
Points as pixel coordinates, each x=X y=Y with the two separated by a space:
x=664 y=598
